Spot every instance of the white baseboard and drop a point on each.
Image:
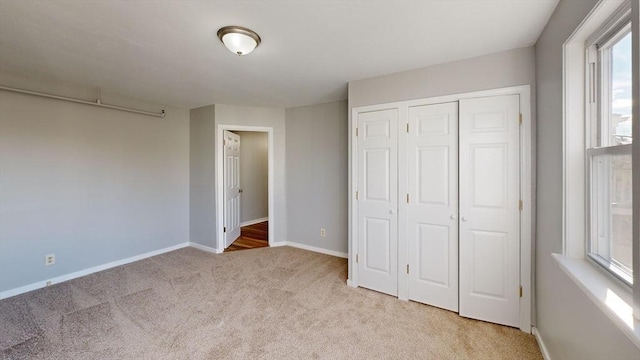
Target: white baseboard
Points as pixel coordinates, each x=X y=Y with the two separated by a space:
x=543 y=347
x=204 y=248
x=304 y=247
x=254 y=221
x=317 y=249
x=56 y=280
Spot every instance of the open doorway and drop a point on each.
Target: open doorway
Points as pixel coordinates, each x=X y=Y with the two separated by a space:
x=252 y=236
x=244 y=191
x=246 y=207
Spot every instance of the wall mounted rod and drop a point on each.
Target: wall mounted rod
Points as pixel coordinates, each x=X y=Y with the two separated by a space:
x=97 y=103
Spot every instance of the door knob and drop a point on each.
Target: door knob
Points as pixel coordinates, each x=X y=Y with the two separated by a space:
x=453 y=217
x=463 y=218
x=239 y=191
x=392 y=211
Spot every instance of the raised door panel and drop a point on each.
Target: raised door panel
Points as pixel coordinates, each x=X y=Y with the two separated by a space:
x=489 y=264
x=377 y=244
x=489 y=173
x=433 y=255
x=377 y=179
x=433 y=175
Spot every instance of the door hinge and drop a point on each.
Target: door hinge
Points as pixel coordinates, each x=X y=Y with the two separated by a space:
x=224 y=142
x=520 y=119
x=356 y=131
x=224 y=229
x=407 y=268
x=520 y=290
x=521 y=205
x=407 y=127
x=356 y=258
x=407 y=198
x=356 y=195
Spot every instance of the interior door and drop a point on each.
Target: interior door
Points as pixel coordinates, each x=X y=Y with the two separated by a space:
x=231 y=187
x=489 y=209
x=432 y=210
x=377 y=197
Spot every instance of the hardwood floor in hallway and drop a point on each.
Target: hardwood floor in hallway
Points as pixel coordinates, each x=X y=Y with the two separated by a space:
x=251 y=237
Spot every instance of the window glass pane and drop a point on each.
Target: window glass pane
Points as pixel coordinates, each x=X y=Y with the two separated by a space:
x=619 y=114
x=611 y=210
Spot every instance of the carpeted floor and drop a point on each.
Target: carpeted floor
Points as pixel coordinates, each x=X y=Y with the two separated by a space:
x=269 y=303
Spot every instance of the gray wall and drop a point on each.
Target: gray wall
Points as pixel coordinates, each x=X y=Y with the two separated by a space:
x=254 y=175
x=264 y=117
x=503 y=69
x=202 y=219
x=317 y=175
x=570 y=324
x=89 y=184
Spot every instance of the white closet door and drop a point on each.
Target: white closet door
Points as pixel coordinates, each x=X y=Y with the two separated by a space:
x=432 y=210
x=378 y=200
x=231 y=187
x=489 y=209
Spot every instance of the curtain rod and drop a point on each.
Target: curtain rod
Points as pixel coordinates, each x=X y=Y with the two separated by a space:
x=97 y=103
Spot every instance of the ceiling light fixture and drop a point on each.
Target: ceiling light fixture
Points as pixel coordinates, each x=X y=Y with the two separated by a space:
x=239 y=40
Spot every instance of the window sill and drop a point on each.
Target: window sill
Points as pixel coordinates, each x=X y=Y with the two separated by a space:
x=615 y=301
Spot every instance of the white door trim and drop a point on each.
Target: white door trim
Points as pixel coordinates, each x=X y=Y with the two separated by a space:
x=526 y=191
x=219 y=165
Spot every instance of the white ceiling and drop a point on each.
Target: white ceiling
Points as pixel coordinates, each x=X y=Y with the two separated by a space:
x=168 y=52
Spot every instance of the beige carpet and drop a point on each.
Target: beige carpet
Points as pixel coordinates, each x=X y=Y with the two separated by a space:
x=270 y=303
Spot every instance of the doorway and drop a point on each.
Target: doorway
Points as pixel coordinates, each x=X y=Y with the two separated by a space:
x=257 y=227
x=252 y=236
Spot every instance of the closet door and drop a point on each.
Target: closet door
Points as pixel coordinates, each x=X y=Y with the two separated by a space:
x=377 y=156
x=432 y=230
x=489 y=209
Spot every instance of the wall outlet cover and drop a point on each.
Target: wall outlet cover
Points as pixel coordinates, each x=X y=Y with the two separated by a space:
x=49 y=259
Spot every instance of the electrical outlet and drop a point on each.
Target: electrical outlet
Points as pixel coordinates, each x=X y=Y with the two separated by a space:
x=323 y=233
x=50 y=259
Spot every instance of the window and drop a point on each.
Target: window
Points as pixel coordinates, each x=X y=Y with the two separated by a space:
x=608 y=148
x=599 y=238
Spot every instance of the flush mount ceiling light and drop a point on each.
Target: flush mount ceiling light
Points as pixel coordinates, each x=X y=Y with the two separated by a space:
x=239 y=40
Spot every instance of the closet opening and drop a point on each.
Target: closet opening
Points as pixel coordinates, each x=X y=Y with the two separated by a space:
x=441 y=212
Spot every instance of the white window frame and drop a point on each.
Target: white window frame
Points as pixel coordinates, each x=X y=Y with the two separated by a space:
x=597 y=79
x=618 y=301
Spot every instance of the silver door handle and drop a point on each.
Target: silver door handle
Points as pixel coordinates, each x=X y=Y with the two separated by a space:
x=392 y=211
x=453 y=217
x=463 y=218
